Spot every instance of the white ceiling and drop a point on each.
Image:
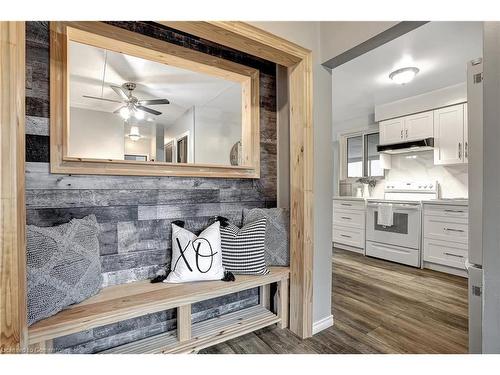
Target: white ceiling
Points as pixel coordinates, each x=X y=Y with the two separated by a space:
x=89 y=75
x=439 y=49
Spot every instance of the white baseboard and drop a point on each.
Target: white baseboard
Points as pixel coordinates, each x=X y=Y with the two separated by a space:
x=349 y=248
x=446 y=269
x=322 y=324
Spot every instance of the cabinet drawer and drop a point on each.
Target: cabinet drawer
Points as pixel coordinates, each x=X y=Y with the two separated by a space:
x=446 y=210
x=349 y=236
x=393 y=253
x=445 y=253
x=349 y=205
x=350 y=218
x=446 y=229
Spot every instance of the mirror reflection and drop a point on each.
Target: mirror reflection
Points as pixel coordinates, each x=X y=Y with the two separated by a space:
x=127 y=108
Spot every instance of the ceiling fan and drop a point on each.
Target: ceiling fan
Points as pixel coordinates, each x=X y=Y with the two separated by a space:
x=132 y=106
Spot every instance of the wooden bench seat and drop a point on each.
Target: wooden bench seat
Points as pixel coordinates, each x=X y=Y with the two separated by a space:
x=120 y=302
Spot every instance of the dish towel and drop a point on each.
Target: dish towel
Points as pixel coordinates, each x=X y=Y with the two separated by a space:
x=385 y=216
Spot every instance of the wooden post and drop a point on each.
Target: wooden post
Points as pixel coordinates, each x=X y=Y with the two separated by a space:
x=13 y=327
x=184 y=323
x=265 y=296
x=283 y=303
x=301 y=197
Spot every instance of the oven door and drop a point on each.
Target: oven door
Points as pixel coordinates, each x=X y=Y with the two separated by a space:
x=405 y=230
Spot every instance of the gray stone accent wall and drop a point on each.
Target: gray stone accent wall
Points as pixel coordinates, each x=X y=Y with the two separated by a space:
x=135 y=213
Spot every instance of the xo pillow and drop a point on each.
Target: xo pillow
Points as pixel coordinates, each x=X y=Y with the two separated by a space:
x=196 y=258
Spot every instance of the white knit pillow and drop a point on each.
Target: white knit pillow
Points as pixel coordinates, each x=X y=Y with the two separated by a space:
x=196 y=258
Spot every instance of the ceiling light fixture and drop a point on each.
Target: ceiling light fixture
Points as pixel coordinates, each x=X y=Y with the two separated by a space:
x=125 y=113
x=131 y=111
x=404 y=75
x=134 y=134
x=138 y=114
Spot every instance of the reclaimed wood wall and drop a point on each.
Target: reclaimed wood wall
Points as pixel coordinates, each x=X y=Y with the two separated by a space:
x=134 y=213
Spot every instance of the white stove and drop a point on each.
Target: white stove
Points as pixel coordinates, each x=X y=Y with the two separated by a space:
x=401 y=241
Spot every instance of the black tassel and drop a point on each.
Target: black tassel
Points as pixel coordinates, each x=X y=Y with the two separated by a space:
x=228 y=276
x=179 y=223
x=159 y=278
x=224 y=221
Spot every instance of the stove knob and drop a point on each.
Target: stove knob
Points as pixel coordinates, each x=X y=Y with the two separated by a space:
x=430 y=186
x=420 y=186
x=425 y=186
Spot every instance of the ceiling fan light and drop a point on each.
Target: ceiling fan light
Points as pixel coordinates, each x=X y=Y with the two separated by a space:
x=404 y=75
x=134 y=134
x=138 y=114
x=125 y=113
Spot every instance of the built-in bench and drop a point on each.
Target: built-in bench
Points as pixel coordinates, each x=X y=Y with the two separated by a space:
x=120 y=302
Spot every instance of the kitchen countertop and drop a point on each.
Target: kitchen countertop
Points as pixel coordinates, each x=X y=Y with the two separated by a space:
x=449 y=202
x=347 y=198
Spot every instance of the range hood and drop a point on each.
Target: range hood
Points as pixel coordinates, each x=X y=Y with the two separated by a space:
x=425 y=144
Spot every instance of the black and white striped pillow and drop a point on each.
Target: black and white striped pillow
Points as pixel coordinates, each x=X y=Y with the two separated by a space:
x=243 y=249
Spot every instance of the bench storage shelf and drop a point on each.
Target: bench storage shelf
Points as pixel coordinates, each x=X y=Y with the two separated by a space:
x=121 y=302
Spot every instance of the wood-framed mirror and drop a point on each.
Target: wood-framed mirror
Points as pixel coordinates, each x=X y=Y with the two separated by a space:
x=127 y=104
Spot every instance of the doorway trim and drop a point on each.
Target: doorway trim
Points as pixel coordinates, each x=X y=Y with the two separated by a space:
x=13 y=325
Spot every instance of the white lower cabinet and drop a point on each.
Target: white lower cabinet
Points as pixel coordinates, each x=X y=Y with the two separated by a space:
x=349 y=225
x=445 y=238
x=349 y=236
x=445 y=253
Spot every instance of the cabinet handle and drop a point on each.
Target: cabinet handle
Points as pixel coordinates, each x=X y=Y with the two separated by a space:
x=346 y=204
x=401 y=133
x=456 y=211
x=345 y=218
x=345 y=235
x=460 y=150
x=453 y=255
x=466 y=149
x=454 y=230
x=406 y=133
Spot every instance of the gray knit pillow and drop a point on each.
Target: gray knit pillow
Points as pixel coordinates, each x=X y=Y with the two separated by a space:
x=277 y=251
x=63 y=266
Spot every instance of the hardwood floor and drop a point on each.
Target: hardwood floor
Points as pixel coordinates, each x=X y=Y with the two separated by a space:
x=378 y=307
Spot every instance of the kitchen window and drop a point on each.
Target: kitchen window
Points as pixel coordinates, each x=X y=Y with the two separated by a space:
x=360 y=156
x=355 y=156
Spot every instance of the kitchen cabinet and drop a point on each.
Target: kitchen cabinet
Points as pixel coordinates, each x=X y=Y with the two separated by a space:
x=407 y=128
x=349 y=224
x=419 y=126
x=466 y=135
x=391 y=131
x=445 y=238
x=451 y=144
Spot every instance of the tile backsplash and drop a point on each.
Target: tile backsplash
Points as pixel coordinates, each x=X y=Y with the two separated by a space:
x=419 y=166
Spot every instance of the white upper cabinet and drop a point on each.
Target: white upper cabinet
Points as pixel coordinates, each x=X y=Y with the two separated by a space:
x=466 y=135
x=419 y=126
x=391 y=131
x=450 y=135
x=408 y=128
